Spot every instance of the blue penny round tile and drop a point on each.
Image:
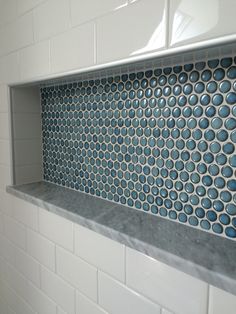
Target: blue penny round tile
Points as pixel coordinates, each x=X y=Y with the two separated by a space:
x=231 y=98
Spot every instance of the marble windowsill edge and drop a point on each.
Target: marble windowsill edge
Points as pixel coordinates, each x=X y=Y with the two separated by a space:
x=109 y=221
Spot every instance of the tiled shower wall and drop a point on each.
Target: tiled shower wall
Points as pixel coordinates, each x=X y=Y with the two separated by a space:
x=31 y=49
x=161 y=140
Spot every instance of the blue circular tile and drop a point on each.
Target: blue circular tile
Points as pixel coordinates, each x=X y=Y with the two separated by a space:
x=217 y=228
x=231 y=98
x=231 y=73
x=219 y=74
x=231 y=209
x=218 y=206
x=230 y=232
x=200 y=213
x=225 y=86
x=231 y=185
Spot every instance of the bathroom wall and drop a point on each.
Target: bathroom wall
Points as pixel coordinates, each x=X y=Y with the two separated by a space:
x=101 y=275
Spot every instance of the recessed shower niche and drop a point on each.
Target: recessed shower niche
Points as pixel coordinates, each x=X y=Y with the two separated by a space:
x=158 y=136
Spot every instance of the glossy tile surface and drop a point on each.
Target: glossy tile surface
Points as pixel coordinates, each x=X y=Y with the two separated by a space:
x=158 y=282
x=119 y=31
x=194 y=21
x=161 y=140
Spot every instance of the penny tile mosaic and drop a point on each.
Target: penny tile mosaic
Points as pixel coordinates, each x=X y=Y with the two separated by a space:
x=161 y=140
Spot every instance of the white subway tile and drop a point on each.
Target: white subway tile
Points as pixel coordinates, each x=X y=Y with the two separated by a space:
x=17 y=303
x=83 y=11
x=50 y=18
x=60 y=311
x=27 y=152
x=25 y=213
x=1 y=223
x=56 y=228
x=189 y=23
x=26 y=5
x=5 y=176
x=17 y=34
x=165 y=285
x=117 y=33
x=39 y=301
x=79 y=273
x=3 y=306
x=4 y=99
x=86 y=306
x=7 y=250
x=73 y=49
x=100 y=251
x=27 y=125
x=8 y=11
x=35 y=61
x=58 y=290
x=17 y=282
x=10 y=311
x=117 y=298
x=3 y=269
x=5 y=156
x=221 y=301
x=15 y=232
x=164 y=311
x=9 y=68
x=27 y=266
x=6 y=203
x=41 y=249
x=4 y=126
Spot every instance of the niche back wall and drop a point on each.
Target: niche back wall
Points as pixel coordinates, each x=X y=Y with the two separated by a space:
x=161 y=140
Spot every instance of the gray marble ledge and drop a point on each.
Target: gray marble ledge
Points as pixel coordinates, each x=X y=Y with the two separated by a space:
x=195 y=252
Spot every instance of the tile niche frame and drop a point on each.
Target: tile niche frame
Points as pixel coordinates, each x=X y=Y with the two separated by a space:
x=25 y=105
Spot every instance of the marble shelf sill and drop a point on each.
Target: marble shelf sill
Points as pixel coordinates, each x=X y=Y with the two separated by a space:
x=200 y=254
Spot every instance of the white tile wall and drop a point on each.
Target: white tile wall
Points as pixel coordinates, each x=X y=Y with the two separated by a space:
x=26 y=5
x=86 y=306
x=15 y=232
x=27 y=266
x=5 y=152
x=189 y=23
x=58 y=290
x=25 y=213
x=73 y=49
x=221 y=302
x=82 y=11
x=56 y=19
x=5 y=176
x=165 y=285
x=8 y=11
x=39 y=301
x=4 y=126
x=3 y=98
x=9 y=68
x=62 y=231
x=41 y=249
x=111 y=292
x=80 y=274
x=17 y=303
x=118 y=31
x=43 y=37
x=100 y=251
x=17 y=35
x=35 y=60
